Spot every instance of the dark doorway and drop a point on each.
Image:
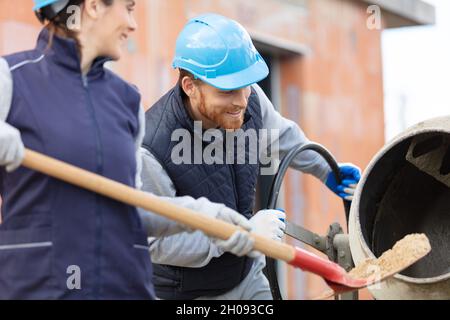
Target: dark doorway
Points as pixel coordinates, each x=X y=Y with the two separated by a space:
x=265 y=182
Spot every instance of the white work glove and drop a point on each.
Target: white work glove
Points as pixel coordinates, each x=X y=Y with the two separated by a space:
x=268 y=224
x=11 y=147
x=240 y=243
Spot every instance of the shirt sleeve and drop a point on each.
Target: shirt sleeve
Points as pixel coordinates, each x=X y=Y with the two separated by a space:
x=287 y=136
x=193 y=250
x=6 y=89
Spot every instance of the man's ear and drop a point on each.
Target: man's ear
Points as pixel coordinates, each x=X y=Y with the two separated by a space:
x=188 y=86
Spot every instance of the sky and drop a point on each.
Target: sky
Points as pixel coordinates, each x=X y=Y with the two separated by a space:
x=417 y=72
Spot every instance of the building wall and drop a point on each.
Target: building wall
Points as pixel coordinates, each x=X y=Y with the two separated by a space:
x=333 y=90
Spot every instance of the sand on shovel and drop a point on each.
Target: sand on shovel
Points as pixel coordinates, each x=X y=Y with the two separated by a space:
x=404 y=253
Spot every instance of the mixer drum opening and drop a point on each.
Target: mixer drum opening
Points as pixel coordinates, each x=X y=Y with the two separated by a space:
x=408 y=191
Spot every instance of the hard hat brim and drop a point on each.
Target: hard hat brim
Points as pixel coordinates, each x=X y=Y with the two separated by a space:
x=43 y=4
x=241 y=79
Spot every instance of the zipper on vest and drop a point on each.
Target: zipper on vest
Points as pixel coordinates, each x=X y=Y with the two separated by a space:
x=233 y=178
x=99 y=169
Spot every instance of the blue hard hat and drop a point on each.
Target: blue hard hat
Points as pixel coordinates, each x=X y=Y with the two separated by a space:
x=49 y=9
x=220 y=52
x=39 y=4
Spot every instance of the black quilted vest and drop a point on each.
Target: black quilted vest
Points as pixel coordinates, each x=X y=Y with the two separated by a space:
x=231 y=184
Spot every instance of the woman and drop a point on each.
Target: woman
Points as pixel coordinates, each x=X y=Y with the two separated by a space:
x=56 y=240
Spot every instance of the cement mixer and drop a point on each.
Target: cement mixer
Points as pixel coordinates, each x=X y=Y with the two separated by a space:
x=406 y=189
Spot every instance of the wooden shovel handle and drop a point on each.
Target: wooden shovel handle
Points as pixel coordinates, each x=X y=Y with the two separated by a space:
x=123 y=193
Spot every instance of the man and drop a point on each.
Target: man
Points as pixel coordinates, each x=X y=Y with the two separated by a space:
x=219 y=67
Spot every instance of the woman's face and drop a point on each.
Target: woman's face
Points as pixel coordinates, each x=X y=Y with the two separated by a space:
x=113 y=27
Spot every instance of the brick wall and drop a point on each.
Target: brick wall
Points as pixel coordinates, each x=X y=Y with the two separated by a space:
x=334 y=91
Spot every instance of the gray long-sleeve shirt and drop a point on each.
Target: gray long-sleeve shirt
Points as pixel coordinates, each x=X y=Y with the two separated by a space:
x=195 y=250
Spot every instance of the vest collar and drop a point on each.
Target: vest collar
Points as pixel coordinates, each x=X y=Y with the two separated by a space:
x=64 y=52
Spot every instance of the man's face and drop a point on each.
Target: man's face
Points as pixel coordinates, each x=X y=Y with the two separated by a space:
x=224 y=109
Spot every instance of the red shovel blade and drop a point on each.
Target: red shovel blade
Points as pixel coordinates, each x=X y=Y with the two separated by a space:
x=405 y=253
x=330 y=271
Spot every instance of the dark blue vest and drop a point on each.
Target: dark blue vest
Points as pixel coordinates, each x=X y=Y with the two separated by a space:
x=231 y=184
x=50 y=228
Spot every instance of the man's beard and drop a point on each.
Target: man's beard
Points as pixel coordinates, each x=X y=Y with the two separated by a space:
x=220 y=118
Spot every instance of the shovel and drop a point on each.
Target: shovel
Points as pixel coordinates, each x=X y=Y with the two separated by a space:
x=338 y=289
x=335 y=275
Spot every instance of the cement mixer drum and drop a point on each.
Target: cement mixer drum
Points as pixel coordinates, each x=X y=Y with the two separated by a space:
x=406 y=189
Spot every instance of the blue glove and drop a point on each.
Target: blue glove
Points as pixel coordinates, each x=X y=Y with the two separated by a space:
x=282 y=218
x=350 y=176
